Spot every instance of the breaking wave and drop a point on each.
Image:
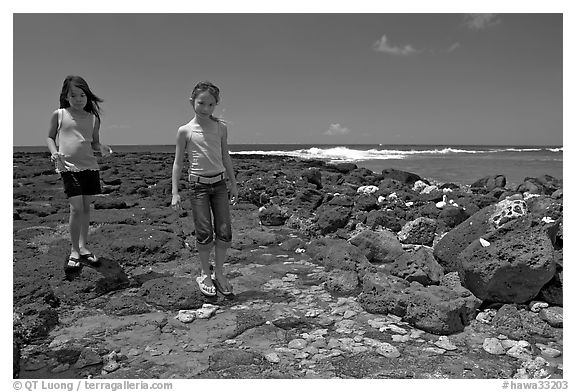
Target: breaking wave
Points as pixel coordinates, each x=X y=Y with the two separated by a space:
x=347 y=154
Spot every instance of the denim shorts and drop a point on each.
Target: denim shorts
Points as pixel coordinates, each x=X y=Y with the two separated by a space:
x=211 y=214
x=85 y=182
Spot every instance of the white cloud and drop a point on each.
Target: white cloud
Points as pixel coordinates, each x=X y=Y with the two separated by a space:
x=382 y=45
x=480 y=21
x=337 y=129
x=453 y=47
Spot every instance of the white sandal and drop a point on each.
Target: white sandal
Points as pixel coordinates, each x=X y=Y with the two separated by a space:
x=209 y=291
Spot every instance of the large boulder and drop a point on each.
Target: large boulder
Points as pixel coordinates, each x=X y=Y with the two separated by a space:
x=478 y=225
x=378 y=246
x=434 y=309
x=511 y=265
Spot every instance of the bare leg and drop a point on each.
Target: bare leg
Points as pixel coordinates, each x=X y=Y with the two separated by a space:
x=85 y=224
x=75 y=224
x=204 y=253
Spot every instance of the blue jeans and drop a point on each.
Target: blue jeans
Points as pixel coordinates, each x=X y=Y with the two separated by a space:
x=211 y=201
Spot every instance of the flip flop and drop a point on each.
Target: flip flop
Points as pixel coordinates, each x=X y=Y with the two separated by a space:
x=72 y=264
x=219 y=286
x=206 y=290
x=91 y=258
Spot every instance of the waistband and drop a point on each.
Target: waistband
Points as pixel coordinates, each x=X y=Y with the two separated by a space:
x=205 y=180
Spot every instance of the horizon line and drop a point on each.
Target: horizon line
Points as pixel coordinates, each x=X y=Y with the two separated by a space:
x=327 y=144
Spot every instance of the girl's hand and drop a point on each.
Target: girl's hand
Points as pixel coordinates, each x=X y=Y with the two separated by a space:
x=233 y=194
x=55 y=157
x=105 y=150
x=175 y=202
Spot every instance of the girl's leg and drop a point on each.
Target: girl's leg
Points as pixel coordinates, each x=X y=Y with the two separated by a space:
x=75 y=223
x=200 y=202
x=85 y=224
x=223 y=229
x=204 y=254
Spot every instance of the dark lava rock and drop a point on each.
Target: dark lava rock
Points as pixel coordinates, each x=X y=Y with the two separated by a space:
x=490 y=182
x=332 y=218
x=522 y=324
x=518 y=262
x=553 y=316
x=338 y=254
x=435 y=309
x=402 y=176
x=173 y=293
x=378 y=246
x=342 y=282
x=313 y=176
x=420 y=231
x=418 y=266
x=385 y=219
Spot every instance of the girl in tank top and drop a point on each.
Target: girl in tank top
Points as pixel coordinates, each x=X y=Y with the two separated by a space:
x=73 y=137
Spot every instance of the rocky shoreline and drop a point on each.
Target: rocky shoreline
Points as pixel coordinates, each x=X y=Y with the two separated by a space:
x=339 y=272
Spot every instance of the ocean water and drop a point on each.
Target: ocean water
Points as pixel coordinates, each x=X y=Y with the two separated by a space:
x=461 y=164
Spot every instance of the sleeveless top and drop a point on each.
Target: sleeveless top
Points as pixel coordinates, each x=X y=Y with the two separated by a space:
x=75 y=142
x=205 y=150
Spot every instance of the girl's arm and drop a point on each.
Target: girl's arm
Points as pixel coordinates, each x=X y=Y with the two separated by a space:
x=96 y=145
x=227 y=161
x=51 y=140
x=177 y=166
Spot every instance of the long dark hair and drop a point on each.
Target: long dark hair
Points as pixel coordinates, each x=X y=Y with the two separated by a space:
x=212 y=89
x=92 y=104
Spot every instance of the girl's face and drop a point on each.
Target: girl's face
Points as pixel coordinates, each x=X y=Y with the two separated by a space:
x=204 y=104
x=77 y=98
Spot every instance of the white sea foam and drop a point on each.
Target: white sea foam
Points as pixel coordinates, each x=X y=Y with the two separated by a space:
x=346 y=154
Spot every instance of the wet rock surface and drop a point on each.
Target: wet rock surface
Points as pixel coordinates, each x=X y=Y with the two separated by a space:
x=327 y=283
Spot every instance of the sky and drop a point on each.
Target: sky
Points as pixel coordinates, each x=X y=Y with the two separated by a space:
x=326 y=78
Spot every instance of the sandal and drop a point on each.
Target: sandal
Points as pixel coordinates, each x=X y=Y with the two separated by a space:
x=91 y=258
x=219 y=286
x=72 y=264
x=209 y=291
